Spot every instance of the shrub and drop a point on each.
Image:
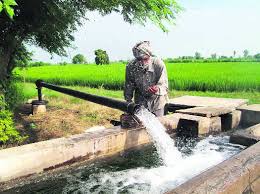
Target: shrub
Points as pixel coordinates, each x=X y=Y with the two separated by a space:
x=79 y=59
x=257 y=56
x=63 y=63
x=8 y=134
x=38 y=64
x=13 y=93
x=101 y=57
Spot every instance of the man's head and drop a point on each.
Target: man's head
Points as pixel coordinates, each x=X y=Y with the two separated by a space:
x=142 y=51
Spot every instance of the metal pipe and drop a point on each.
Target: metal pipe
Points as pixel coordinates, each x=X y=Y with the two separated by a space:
x=39 y=89
x=112 y=103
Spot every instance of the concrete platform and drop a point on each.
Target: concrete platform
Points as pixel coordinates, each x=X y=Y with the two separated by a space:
x=250 y=115
x=231 y=120
x=196 y=101
x=193 y=125
x=207 y=111
x=246 y=137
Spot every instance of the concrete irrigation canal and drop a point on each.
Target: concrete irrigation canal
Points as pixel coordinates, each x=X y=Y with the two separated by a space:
x=214 y=148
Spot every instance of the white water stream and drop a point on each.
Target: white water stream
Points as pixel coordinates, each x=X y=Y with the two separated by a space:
x=164 y=144
x=176 y=169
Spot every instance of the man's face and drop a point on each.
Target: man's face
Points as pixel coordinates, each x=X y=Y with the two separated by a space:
x=145 y=59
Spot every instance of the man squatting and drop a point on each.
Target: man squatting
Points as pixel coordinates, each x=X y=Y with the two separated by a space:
x=146 y=79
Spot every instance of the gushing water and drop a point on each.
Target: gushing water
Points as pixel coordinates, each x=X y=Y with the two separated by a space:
x=176 y=168
x=165 y=147
x=156 y=179
x=194 y=158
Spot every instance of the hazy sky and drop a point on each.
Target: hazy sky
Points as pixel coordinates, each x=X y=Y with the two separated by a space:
x=207 y=26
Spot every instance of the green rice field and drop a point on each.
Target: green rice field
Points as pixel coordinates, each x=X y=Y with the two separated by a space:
x=218 y=77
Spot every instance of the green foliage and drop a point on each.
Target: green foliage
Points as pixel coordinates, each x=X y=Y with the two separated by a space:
x=22 y=57
x=190 y=59
x=79 y=59
x=246 y=53
x=257 y=56
x=214 y=56
x=214 y=76
x=63 y=63
x=197 y=55
x=101 y=57
x=59 y=19
x=8 y=134
x=14 y=96
x=38 y=64
x=7 y=6
x=13 y=93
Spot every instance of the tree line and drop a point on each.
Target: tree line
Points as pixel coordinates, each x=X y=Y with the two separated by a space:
x=215 y=58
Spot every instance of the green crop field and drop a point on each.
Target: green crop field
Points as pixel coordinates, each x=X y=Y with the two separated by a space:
x=219 y=77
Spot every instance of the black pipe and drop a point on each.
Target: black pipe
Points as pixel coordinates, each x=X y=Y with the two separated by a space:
x=112 y=103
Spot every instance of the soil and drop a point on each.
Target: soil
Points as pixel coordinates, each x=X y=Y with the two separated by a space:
x=63 y=118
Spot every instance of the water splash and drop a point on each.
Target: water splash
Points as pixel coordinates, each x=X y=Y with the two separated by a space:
x=166 y=149
x=176 y=168
x=160 y=179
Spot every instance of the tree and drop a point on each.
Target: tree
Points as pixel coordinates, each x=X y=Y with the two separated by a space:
x=234 y=54
x=101 y=57
x=246 y=53
x=257 y=56
x=22 y=59
x=79 y=59
x=214 y=56
x=197 y=55
x=50 y=24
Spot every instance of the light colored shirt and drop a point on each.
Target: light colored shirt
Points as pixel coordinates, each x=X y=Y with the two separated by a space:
x=140 y=77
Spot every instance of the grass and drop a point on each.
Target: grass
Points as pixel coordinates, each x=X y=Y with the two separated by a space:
x=30 y=92
x=81 y=114
x=218 y=77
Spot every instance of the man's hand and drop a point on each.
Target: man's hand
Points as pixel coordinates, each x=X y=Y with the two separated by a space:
x=153 y=89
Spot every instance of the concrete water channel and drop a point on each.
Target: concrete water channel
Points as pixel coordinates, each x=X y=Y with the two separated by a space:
x=24 y=166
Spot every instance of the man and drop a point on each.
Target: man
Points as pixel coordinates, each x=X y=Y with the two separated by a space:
x=146 y=80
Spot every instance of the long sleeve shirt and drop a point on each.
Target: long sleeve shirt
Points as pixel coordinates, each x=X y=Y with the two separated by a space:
x=138 y=79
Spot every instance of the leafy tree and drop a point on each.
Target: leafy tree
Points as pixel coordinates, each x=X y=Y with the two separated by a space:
x=22 y=57
x=234 y=53
x=246 y=53
x=101 y=57
x=197 y=55
x=257 y=56
x=214 y=56
x=79 y=59
x=223 y=57
x=50 y=24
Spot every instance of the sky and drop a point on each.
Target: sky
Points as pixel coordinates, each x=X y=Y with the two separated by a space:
x=206 y=26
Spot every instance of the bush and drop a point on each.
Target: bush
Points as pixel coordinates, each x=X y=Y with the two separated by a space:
x=79 y=59
x=63 y=63
x=8 y=134
x=101 y=57
x=13 y=93
x=38 y=64
x=257 y=56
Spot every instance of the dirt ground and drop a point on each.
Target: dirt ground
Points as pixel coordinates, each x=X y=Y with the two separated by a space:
x=65 y=116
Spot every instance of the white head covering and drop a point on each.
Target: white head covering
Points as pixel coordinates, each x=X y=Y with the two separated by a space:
x=141 y=49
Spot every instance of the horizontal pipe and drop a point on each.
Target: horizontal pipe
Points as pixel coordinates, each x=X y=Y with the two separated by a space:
x=110 y=102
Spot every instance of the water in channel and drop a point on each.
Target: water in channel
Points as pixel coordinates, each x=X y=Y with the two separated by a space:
x=155 y=169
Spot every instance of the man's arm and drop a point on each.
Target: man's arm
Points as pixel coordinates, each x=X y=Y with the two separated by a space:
x=162 y=83
x=129 y=85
